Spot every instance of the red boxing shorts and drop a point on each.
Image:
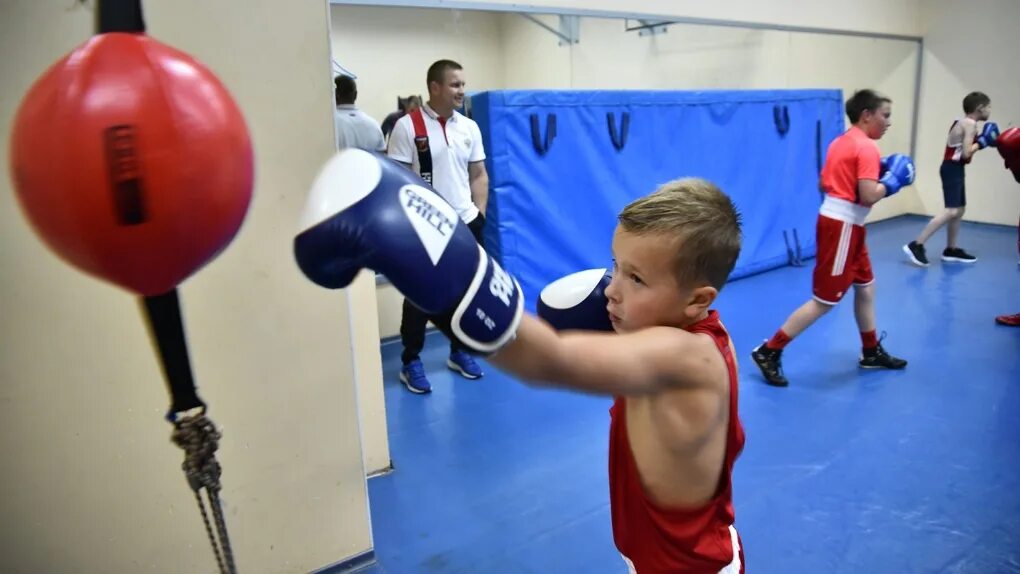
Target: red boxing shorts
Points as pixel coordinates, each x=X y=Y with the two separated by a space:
x=842 y=260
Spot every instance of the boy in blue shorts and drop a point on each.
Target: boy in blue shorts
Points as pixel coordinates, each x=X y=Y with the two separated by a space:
x=967 y=135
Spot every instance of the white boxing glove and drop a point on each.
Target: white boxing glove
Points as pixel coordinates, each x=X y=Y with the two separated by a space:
x=577 y=301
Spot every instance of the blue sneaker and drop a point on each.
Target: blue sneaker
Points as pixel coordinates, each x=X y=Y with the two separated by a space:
x=413 y=377
x=464 y=364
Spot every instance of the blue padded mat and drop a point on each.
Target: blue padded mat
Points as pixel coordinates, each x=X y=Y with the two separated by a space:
x=562 y=164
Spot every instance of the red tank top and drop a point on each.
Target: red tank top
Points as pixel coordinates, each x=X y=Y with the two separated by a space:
x=663 y=540
x=954 y=147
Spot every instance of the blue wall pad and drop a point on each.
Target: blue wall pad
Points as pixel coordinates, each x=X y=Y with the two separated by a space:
x=562 y=164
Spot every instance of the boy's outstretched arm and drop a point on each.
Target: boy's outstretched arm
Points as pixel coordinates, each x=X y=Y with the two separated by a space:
x=638 y=363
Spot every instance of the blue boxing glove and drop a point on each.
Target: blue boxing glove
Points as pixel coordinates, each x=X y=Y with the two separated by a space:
x=897 y=171
x=577 y=301
x=365 y=210
x=989 y=133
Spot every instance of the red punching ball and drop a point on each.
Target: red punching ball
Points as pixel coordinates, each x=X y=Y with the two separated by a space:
x=132 y=161
x=1008 y=144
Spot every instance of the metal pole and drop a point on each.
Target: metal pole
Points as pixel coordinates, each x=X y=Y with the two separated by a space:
x=918 y=73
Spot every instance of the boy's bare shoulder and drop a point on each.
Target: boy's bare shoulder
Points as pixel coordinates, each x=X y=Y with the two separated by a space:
x=697 y=363
x=697 y=402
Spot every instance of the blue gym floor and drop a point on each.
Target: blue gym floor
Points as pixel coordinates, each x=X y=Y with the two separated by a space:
x=844 y=471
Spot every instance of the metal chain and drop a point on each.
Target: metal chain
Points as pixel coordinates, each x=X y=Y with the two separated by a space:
x=199 y=439
x=221 y=527
x=208 y=530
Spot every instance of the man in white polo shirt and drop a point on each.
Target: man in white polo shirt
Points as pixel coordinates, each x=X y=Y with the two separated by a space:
x=354 y=128
x=445 y=148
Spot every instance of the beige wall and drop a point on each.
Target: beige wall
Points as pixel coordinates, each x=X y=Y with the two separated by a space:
x=390 y=49
x=92 y=482
x=969 y=47
x=689 y=57
x=884 y=16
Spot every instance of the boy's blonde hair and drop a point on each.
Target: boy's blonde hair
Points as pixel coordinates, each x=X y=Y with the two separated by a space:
x=700 y=219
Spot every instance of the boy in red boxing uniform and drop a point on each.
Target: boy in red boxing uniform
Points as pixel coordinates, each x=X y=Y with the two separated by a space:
x=854 y=178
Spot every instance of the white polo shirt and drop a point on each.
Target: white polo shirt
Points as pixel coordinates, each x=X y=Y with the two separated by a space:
x=354 y=128
x=454 y=145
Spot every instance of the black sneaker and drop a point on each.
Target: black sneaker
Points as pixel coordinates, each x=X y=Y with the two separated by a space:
x=770 y=363
x=957 y=254
x=878 y=358
x=915 y=251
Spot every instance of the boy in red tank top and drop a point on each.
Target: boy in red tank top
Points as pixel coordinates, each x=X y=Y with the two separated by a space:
x=966 y=136
x=675 y=433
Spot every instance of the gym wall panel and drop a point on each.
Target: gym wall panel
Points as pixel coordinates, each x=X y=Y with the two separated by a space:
x=684 y=57
x=92 y=482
